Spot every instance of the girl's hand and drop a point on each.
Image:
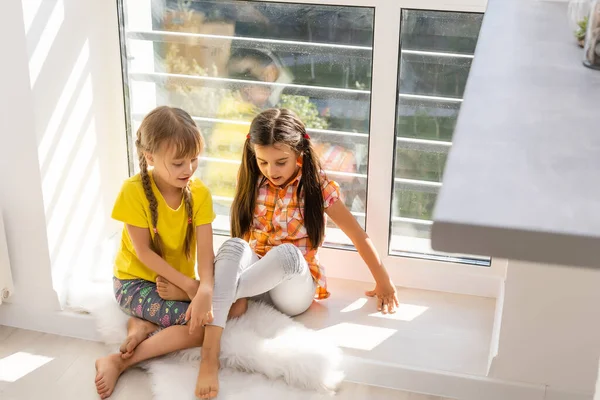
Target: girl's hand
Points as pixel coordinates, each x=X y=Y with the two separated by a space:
x=200 y=313
x=387 y=299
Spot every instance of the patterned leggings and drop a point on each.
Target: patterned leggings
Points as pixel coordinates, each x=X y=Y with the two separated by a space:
x=139 y=298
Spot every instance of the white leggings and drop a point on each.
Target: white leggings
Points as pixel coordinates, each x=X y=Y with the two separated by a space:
x=282 y=273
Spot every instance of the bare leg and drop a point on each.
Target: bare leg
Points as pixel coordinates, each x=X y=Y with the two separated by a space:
x=238 y=308
x=137 y=331
x=173 y=338
x=207 y=386
x=239 y=274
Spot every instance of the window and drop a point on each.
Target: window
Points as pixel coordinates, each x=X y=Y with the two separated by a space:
x=378 y=83
x=225 y=61
x=436 y=50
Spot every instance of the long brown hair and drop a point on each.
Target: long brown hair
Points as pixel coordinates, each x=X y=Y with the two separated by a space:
x=279 y=126
x=173 y=127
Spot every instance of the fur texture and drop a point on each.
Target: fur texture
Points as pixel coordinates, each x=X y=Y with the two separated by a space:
x=264 y=354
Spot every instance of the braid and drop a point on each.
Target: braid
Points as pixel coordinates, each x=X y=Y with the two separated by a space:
x=189 y=207
x=156 y=241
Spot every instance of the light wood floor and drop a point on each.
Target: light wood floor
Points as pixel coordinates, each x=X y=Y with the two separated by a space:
x=66 y=371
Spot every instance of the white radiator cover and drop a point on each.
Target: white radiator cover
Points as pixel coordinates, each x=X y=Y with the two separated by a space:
x=7 y=286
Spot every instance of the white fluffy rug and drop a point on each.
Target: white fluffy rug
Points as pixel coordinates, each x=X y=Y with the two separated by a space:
x=264 y=355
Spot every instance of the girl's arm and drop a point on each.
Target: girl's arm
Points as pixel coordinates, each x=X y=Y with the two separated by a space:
x=206 y=256
x=199 y=312
x=384 y=289
x=141 y=240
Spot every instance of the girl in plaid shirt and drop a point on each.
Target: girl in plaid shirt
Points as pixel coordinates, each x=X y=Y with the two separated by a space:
x=278 y=225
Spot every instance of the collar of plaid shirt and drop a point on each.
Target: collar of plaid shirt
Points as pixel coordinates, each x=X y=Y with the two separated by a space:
x=264 y=181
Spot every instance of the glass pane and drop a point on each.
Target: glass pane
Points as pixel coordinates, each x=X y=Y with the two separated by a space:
x=419 y=165
x=435 y=57
x=440 y=31
x=267 y=20
x=432 y=75
x=225 y=61
x=413 y=204
x=426 y=119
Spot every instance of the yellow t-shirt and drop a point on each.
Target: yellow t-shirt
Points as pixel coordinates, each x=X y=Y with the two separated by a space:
x=132 y=207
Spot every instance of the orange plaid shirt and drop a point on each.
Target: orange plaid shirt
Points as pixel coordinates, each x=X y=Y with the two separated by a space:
x=278 y=219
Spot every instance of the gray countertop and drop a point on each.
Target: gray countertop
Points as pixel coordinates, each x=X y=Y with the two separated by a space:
x=522 y=180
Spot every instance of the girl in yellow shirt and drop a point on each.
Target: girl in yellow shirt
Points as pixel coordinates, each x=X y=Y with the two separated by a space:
x=167 y=214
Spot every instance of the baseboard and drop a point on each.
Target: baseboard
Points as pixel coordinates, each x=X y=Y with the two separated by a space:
x=57 y=322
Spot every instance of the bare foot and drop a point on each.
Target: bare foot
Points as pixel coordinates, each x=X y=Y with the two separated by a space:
x=108 y=370
x=238 y=308
x=207 y=386
x=137 y=331
x=168 y=291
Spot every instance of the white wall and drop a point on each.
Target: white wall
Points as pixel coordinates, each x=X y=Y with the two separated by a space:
x=80 y=130
x=20 y=179
x=62 y=105
x=550 y=330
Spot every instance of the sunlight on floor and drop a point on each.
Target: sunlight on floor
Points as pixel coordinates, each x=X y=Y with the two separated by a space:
x=17 y=365
x=404 y=312
x=355 y=336
x=357 y=305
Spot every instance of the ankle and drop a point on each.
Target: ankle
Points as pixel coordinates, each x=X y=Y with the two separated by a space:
x=210 y=353
x=119 y=362
x=210 y=364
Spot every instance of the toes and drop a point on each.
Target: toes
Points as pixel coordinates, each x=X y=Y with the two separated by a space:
x=128 y=347
x=105 y=392
x=131 y=345
x=161 y=282
x=207 y=393
x=123 y=348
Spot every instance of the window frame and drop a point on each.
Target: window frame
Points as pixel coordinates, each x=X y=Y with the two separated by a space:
x=406 y=271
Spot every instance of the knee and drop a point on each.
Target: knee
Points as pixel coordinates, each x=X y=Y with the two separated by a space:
x=233 y=249
x=290 y=258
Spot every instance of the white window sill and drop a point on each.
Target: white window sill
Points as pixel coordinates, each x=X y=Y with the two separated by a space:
x=431 y=330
